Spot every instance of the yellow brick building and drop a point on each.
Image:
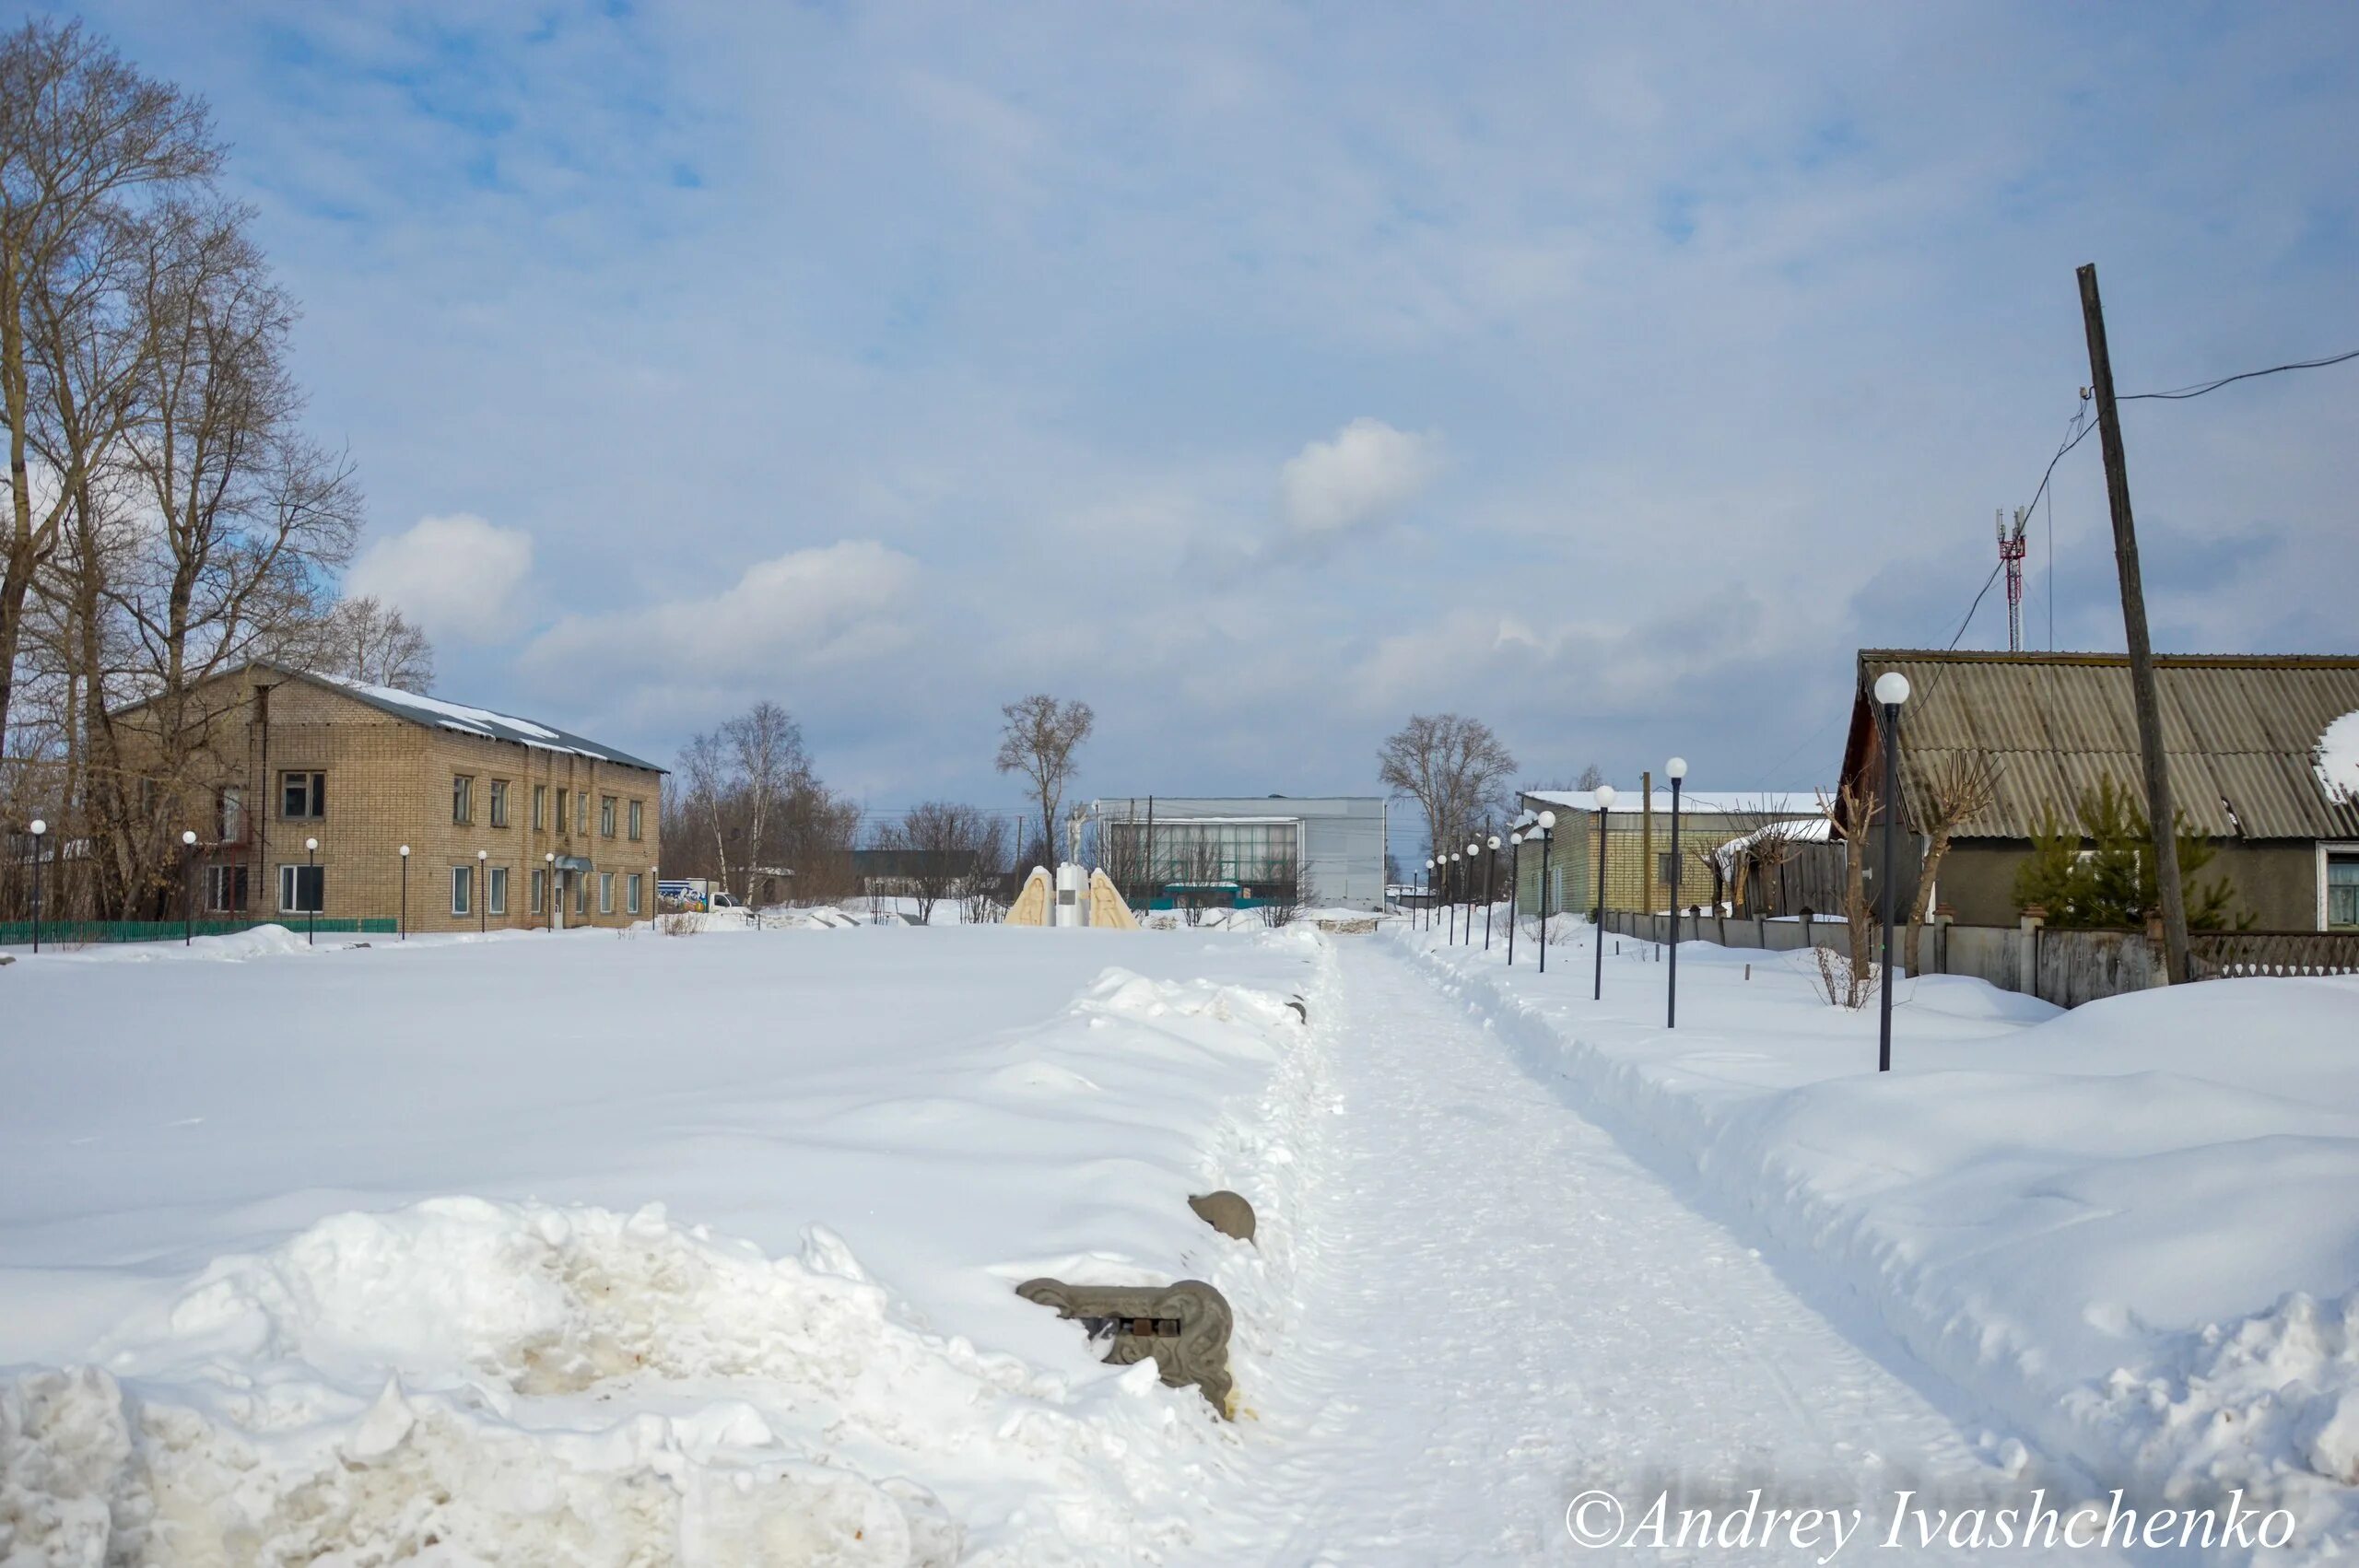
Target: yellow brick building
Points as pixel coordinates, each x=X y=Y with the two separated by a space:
x=1638 y=845
x=508 y=823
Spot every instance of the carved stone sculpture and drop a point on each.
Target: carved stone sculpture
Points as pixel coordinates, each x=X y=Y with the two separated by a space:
x=1184 y=1326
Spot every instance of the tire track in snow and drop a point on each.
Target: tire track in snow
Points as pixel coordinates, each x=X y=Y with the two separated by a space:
x=1501 y=1308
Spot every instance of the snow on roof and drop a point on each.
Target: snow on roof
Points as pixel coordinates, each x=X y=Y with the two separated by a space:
x=1720 y=803
x=2338 y=760
x=1807 y=830
x=435 y=713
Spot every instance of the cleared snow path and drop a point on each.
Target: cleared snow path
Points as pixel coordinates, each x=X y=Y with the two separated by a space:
x=1502 y=1309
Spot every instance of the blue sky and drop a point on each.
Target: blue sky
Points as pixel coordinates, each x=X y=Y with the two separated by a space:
x=1264 y=374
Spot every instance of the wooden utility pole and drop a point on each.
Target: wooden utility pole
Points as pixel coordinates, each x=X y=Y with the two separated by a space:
x=2160 y=812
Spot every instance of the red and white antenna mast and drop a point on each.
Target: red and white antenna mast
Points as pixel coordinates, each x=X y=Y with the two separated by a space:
x=2011 y=555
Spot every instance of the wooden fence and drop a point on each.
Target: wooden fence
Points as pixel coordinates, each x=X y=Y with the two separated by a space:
x=2066 y=967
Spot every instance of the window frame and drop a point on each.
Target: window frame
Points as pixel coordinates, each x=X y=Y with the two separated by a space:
x=495 y=802
x=606 y=804
x=463 y=884
x=540 y=807
x=315 y=794
x=564 y=809
x=230 y=875
x=229 y=813
x=605 y=893
x=637 y=820
x=462 y=799
x=581 y=895
x=2331 y=852
x=291 y=875
x=634 y=893
x=540 y=889
x=495 y=891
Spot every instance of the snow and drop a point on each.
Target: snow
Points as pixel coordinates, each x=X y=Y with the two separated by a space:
x=1709 y=802
x=608 y=1248
x=2125 y=1229
x=603 y=1248
x=2338 y=760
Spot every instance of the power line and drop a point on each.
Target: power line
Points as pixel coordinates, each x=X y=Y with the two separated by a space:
x=2181 y=393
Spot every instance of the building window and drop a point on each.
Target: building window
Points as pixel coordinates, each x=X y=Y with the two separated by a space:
x=540 y=807
x=581 y=895
x=605 y=893
x=462 y=798
x=302 y=890
x=230 y=816
x=605 y=816
x=540 y=890
x=500 y=802
x=225 y=890
x=2342 y=892
x=495 y=890
x=631 y=890
x=463 y=889
x=581 y=812
x=302 y=796
x=637 y=820
x=564 y=810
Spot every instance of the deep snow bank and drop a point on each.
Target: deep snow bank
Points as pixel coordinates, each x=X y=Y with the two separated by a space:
x=2127 y=1231
x=476 y=1380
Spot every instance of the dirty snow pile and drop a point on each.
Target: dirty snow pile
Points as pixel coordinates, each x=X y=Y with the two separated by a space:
x=2127 y=1232
x=541 y=1374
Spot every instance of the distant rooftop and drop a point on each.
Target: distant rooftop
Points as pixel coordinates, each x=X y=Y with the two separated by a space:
x=435 y=713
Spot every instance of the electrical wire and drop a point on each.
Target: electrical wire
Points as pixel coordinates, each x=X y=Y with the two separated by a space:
x=2178 y=395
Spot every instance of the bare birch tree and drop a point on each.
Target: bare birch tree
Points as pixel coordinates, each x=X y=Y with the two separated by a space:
x=1957 y=789
x=1454 y=767
x=369 y=640
x=1037 y=741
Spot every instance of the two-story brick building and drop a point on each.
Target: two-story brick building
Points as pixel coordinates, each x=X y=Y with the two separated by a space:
x=507 y=823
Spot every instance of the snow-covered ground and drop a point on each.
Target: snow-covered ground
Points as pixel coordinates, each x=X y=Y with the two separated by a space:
x=648 y=1249
x=615 y=1249
x=2128 y=1233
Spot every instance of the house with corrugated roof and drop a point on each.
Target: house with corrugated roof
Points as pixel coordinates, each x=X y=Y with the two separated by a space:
x=305 y=790
x=2249 y=740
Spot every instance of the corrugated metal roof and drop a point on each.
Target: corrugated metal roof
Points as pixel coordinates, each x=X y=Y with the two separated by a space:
x=2240 y=735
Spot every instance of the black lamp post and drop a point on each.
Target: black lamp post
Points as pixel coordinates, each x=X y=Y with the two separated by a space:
x=1547 y=836
x=1458 y=897
x=1490 y=886
x=1892 y=690
x=1427 y=904
x=1677 y=768
x=311 y=891
x=483 y=891
x=188 y=887
x=1466 y=889
x=404 y=892
x=37 y=829
x=549 y=877
x=1515 y=887
x=1597 y=933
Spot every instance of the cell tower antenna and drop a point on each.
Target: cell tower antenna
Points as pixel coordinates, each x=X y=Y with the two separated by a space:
x=2011 y=555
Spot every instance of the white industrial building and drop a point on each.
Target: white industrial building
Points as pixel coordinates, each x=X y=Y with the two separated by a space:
x=1164 y=852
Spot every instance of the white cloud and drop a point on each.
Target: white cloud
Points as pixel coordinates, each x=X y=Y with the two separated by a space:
x=820 y=606
x=1369 y=471
x=452 y=575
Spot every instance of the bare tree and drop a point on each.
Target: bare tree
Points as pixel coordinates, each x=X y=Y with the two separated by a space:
x=1849 y=980
x=1039 y=741
x=1957 y=789
x=369 y=640
x=704 y=765
x=1454 y=767
x=87 y=143
x=766 y=744
x=943 y=845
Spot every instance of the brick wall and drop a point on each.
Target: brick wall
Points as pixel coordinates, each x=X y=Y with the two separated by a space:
x=389 y=782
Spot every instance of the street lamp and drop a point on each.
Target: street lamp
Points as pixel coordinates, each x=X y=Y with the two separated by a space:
x=1547 y=836
x=1677 y=768
x=1597 y=932
x=1490 y=887
x=1892 y=690
x=1457 y=890
x=37 y=827
x=1515 y=888
x=404 y=892
x=1426 y=905
x=1466 y=889
x=188 y=888
x=483 y=891
x=312 y=893
x=549 y=877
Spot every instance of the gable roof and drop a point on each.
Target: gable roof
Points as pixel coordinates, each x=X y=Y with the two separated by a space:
x=2241 y=735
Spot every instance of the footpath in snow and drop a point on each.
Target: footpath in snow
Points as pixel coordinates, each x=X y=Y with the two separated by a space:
x=2127 y=1234
x=1498 y=1309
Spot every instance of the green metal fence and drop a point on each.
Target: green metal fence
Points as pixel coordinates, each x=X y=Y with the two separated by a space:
x=74 y=933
